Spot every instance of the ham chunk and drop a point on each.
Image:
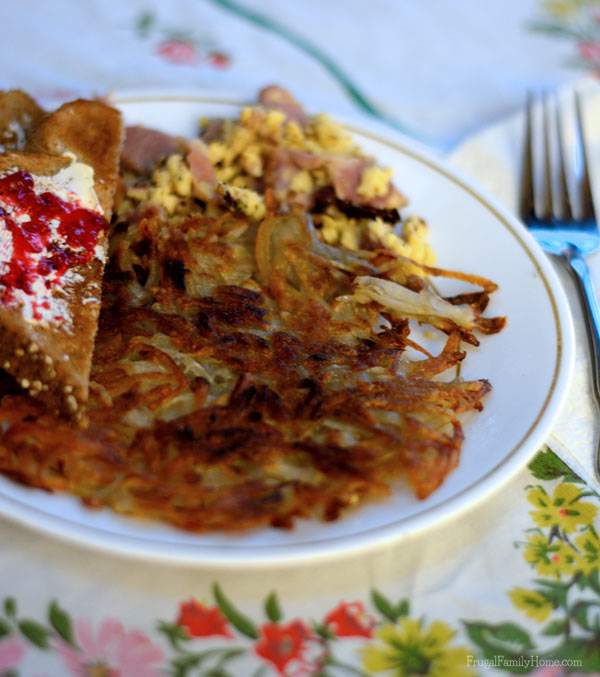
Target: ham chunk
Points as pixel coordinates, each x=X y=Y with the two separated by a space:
x=279 y=98
x=203 y=173
x=347 y=176
x=145 y=148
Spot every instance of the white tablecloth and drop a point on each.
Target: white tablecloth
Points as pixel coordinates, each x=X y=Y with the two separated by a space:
x=441 y=68
x=492 y=590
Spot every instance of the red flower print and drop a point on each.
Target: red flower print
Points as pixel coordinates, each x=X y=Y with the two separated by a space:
x=202 y=621
x=286 y=647
x=590 y=51
x=350 y=620
x=178 y=52
x=219 y=59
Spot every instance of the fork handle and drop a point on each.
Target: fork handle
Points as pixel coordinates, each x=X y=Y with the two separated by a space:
x=586 y=290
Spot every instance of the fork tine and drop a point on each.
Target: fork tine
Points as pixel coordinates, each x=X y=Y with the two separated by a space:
x=583 y=169
x=547 y=206
x=564 y=198
x=527 y=199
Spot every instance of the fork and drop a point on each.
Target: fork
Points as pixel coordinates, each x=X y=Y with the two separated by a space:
x=562 y=217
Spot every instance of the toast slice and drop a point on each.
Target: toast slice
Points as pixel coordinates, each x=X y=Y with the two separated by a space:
x=93 y=132
x=56 y=199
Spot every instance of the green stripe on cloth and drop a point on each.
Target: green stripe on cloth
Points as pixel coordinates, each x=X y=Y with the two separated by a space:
x=315 y=52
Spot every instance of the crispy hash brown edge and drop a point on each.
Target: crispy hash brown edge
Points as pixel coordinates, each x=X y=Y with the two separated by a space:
x=223 y=464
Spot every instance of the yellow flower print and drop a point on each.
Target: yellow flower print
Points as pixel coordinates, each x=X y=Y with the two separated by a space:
x=562 y=509
x=562 y=8
x=550 y=559
x=588 y=545
x=536 y=606
x=410 y=648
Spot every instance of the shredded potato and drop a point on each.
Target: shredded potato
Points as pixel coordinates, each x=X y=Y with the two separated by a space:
x=251 y=364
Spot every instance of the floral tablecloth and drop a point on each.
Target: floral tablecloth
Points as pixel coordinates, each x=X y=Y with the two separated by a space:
x=512 y=585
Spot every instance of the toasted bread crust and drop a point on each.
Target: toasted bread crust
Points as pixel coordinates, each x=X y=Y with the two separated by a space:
x=93 y=132
x=40 y=164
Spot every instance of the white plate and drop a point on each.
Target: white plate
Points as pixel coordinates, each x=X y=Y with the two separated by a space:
x=529 y=365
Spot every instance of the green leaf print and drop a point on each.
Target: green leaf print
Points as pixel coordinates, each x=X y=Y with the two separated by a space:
x=557 y=627
x=387 y=609
x=10 y=607
x=35 y=633
x=5 y=628
x=555 y=592
x=546 y=465
x=586 y=614
x=273 y=608
x=174 y=633
x=586 y=652
x=144 y=23
x=240 y=622
x=61 y=622
x=506 y=639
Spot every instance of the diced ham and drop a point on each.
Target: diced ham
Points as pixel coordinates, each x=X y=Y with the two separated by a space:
x=282 y=166
x=279 y=98
x=346 y=175
x=144 y=148
x=303 y=159
x=280 y=172
x=203 y=172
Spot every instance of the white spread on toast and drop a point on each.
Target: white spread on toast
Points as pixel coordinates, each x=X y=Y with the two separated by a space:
x=47 y=300
x=74 y=183
x=6 y=248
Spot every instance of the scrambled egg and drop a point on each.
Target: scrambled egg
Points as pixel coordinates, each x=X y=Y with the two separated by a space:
x=238 y=156
x=172 y=187
x=247 y=201
x=374 y=182
x=349 y=233
x=341 y=230
x=413 y=243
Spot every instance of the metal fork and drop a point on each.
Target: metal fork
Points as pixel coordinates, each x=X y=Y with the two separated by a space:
x=562 y=217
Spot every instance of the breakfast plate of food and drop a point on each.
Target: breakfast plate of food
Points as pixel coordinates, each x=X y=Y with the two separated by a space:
x=238 y=333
